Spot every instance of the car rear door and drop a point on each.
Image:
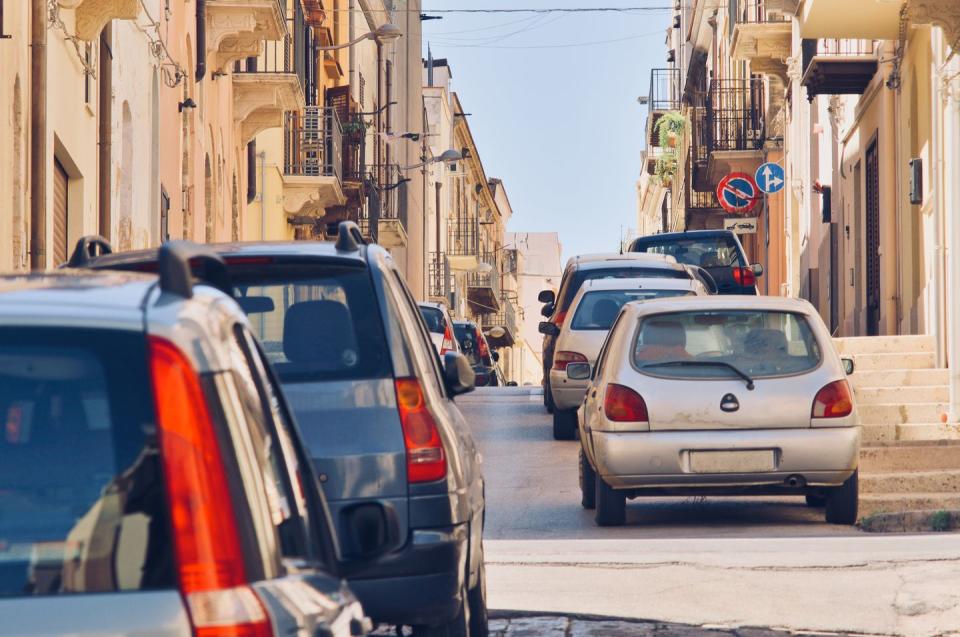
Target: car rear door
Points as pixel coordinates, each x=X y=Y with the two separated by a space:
x=85 y=545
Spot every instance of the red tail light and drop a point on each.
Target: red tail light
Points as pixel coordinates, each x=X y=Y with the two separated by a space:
x=833 y=401
x=210 y=562
x=482 y=345
x=562 y=359
x=447 y=345
x=622 y=404
x=744 y=276
x=426 y=460
x=559 y=318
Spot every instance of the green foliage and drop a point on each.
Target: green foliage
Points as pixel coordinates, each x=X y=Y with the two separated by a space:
x=941 y=521
x=671 y=124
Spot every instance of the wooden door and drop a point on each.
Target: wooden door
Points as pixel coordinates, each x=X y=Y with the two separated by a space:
x=872 y=256
x=61 y=182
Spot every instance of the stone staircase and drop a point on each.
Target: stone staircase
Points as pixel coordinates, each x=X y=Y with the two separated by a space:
x=910 y=460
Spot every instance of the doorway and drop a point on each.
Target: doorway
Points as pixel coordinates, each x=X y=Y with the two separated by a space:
x=873 y=239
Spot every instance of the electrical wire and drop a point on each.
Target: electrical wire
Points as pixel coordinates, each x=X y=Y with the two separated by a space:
x=540 y=23
x=554 y=46
x=507 y=11
x=487 y=28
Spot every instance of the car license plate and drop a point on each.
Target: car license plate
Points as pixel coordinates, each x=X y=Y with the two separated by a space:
x=754 y=461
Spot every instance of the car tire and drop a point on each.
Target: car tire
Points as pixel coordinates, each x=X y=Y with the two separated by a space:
x=611 y=505
x=588 y=483
x=816 y=501
x=477 y=600
x=843 y=501
x=564 y=424
x=459 y=626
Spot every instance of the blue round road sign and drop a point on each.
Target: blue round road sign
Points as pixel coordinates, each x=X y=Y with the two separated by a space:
x=770 y=178
x=737 y=193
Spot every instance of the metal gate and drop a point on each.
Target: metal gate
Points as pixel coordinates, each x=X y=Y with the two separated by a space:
x=61 y=182
x=872 y=256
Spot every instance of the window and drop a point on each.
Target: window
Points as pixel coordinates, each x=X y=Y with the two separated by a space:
x=82 y=506
x=575 y=281
x=435 y=319
x=710 y=344
x=707 y=252
x=315 y=322
x=598 y=310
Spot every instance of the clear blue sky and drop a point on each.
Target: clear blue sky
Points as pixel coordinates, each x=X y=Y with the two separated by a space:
x=560 y=126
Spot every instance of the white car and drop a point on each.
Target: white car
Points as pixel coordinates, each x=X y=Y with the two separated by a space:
x=594 y=309
x=733 y=395
x=440 y=325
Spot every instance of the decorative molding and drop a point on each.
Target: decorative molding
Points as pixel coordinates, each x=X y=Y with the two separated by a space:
x=237 y=28
x=92 y=15
x=941 y=13
x=261 y=99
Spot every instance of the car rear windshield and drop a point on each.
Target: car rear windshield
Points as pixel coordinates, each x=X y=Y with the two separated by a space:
x=598 y=310
x=579 y=277
x=436 y=321
x=316 y=322
x=470 y=346
x=706 y=252
x=82 y=505
x=721 y=343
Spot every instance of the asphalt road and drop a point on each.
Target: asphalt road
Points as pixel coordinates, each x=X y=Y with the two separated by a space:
x=533 y=493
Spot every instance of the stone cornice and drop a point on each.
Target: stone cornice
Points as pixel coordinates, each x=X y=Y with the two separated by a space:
x=92 y=15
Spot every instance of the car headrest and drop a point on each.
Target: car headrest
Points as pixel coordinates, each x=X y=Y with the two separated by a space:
x=764 y=342
x=664 y=333
x=605 y=312
x=320 y=332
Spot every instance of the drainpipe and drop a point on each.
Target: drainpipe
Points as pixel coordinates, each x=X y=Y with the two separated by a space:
x=201 y=40
x=252 y=191
x=106 y=131
x=38 y=135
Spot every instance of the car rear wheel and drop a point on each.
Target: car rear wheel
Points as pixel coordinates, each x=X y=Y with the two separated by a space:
x=564 y=424
x=588 y=483
x=816 y=501
x=842 y=502
x=459 y=626
x=611 y=505
x=477 y=599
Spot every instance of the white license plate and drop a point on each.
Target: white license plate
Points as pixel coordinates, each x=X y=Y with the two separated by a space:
x=754 y=461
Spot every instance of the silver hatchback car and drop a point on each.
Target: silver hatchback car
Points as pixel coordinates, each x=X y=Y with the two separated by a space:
x=719 y=396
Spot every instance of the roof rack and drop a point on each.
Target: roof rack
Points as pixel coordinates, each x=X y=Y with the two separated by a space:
x=175 y=260
x=349 y=237
x=88 y=248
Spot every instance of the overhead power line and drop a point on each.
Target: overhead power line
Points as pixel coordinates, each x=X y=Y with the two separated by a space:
x=528 y=10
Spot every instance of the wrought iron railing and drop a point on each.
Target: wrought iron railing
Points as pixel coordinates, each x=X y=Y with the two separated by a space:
x=664 y=89
x=313 y=143
x=836 y=48
x=294 y=53
x=505 y=318
x=489 y=279
x=441 y=281
x=462 y=237
x=758 y=11
x=728 y=117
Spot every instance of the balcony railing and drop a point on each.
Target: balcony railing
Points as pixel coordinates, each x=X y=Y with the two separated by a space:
x=735 y=115
x=505 y=318
x=462 y=237
x=441 y=281
x=664 y=90
x=838 y=67
x=758 y=11
x=313 y=143
x=295 y=53
x=489 y=279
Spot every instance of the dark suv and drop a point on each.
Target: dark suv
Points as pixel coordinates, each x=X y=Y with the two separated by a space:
x=375 y=405
x=152 y=477
x=719 y=252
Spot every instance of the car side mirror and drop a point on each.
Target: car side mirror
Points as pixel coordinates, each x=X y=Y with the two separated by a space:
x=496 y=357
x=848 y=366
x=548 y=328
x=458 y=374
x=547 y=296
x=547 y=310
x=708 y=281
x=757 y=269
x=578 y=371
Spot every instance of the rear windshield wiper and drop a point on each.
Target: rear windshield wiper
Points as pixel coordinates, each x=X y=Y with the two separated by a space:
x=736 y=370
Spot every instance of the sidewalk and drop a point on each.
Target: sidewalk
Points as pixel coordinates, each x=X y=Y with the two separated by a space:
x=545 y=626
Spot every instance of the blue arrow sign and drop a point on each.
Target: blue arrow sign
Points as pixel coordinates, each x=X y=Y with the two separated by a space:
x=770 y=178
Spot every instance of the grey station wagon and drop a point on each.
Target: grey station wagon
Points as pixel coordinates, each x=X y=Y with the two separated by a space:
x=375 y=406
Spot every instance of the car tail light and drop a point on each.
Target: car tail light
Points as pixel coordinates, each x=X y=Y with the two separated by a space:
x=210 y=562
x=562 y=359
x=482 y=345
x=426 y=459
x=744 y=276
x=447 y=345
x=622 y=404
x=559 y=318
x=833 y=401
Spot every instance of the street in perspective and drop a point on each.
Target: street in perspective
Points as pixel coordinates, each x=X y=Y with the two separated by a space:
x=472 y=318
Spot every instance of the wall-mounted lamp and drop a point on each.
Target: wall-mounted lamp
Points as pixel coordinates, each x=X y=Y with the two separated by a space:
x=187 y=103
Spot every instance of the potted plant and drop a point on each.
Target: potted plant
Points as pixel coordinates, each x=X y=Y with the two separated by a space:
x=666 y=169
x=670 y=128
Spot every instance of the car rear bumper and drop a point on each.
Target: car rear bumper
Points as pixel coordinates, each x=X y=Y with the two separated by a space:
x=417 y=585
x=819 y=456
x=567 y=394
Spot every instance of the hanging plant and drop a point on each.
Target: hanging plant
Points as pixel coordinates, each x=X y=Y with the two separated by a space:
x=670 y=128
x=355 y=128
x=666 y=169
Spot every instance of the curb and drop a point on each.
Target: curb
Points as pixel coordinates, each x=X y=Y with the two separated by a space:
x=941 y=521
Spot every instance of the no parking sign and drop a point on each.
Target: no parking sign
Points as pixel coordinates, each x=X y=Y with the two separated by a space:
x=738 y=193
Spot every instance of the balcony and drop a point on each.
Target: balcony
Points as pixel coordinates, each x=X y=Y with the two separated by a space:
x=463 y=244
x=664 y=97
x=267 y=87
x=312 y=147
x=702 y=210
x=483 y=288
x=762 y=34
x=505 y=318
x=388 y=217
x=838 y=67
x=728 y=131
x=236 y=29
x=441 y=280
x=869 y=19
x=92 y=15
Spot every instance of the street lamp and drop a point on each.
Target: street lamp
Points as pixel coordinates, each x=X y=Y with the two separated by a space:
x=446 y=157
x=383 y=34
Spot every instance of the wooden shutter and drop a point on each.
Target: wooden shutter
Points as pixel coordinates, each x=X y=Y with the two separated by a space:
x=61 y=181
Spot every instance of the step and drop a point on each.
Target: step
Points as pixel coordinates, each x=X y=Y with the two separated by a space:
x=897 y=413
x=909 y=394
x=911 y=482
x=910 y=456
x=899 y=377
x=871 y=503
x=922 y=360
x=913 y=432
x=884 y=344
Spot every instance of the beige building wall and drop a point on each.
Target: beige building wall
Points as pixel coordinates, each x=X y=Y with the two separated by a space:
x=15 y=96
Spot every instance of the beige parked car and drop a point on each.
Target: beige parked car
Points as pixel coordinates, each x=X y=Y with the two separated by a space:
x=719 y=396
x=593 y=311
